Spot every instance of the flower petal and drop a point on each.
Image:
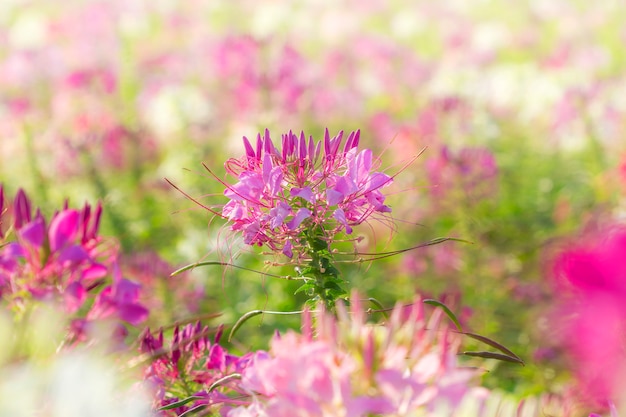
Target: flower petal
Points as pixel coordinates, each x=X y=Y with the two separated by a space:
x=63 y=229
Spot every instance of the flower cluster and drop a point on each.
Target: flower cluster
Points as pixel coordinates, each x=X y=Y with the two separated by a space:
x=282 y=194
x=348 y=367
x=65 y=261
x=189 y=367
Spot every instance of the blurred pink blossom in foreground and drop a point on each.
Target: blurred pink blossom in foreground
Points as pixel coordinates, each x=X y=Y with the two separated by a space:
x=348 y=367
x=590 y=279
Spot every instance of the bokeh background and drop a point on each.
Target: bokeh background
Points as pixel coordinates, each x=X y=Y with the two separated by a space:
x=515 y=110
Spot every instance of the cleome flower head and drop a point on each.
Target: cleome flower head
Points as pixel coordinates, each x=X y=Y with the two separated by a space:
x=281 y=193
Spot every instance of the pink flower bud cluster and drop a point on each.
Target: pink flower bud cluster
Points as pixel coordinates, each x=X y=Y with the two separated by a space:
x=348 y=367
x=65 y=261
x=304 y=185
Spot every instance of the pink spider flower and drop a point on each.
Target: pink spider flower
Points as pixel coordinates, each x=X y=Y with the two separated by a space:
x=304 y=185
x=346 y=366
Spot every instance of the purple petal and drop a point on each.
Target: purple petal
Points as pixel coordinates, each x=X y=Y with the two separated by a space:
x=346 y=186
x=248 y=146
x=34 y=232
x=340 y=216
x=274 y=181
x=233 y=210
x=302 y=146
x=126 y=291
x=287 y=249
x=334 y=197
x=278 y=214
x=378 y=180
x=74 y=253
x=103 y=306
x=267 y=142
x=335 y=143
x=94 y=272
x=12 y=250
x=363 y=165
x=305 y=193
x=326 y=142
x=311 y=150
x=267 y=167
x=63 y=229
x=91 y=219
x=302 y=214
x=217 y=358
x=21 y=209
x=74 y=297
x=133 y=313
x=259 y=146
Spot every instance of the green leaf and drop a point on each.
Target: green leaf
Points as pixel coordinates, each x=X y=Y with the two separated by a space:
x=335 y=294
x=306 y=271
x=193 y=410
x=494 y=355
x=378 y=305
x=448 y=312
x=224 y=380
x=493 y=344
x=333 y=285
x=242 y=320
x=181 y=402
x=318 y=244
x=309 y=285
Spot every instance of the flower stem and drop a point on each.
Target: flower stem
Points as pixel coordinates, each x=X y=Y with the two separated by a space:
x=326 y=283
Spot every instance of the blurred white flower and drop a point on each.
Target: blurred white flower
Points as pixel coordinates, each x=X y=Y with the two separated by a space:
x=74 y=384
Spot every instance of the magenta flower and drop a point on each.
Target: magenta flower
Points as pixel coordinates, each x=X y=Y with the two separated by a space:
x=67 y=255
x=305 y=185
x=189 y=366
x=120 y=299
x=590 y=280
x=67 y=262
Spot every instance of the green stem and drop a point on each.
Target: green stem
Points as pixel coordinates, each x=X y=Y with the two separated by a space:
x=327 y=285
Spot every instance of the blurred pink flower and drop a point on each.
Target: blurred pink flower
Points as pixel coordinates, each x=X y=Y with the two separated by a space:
x=590 y=285
x=346 y=366
x=67 y=262
x=469 y=174
x=47 y=260
x=159 y=289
